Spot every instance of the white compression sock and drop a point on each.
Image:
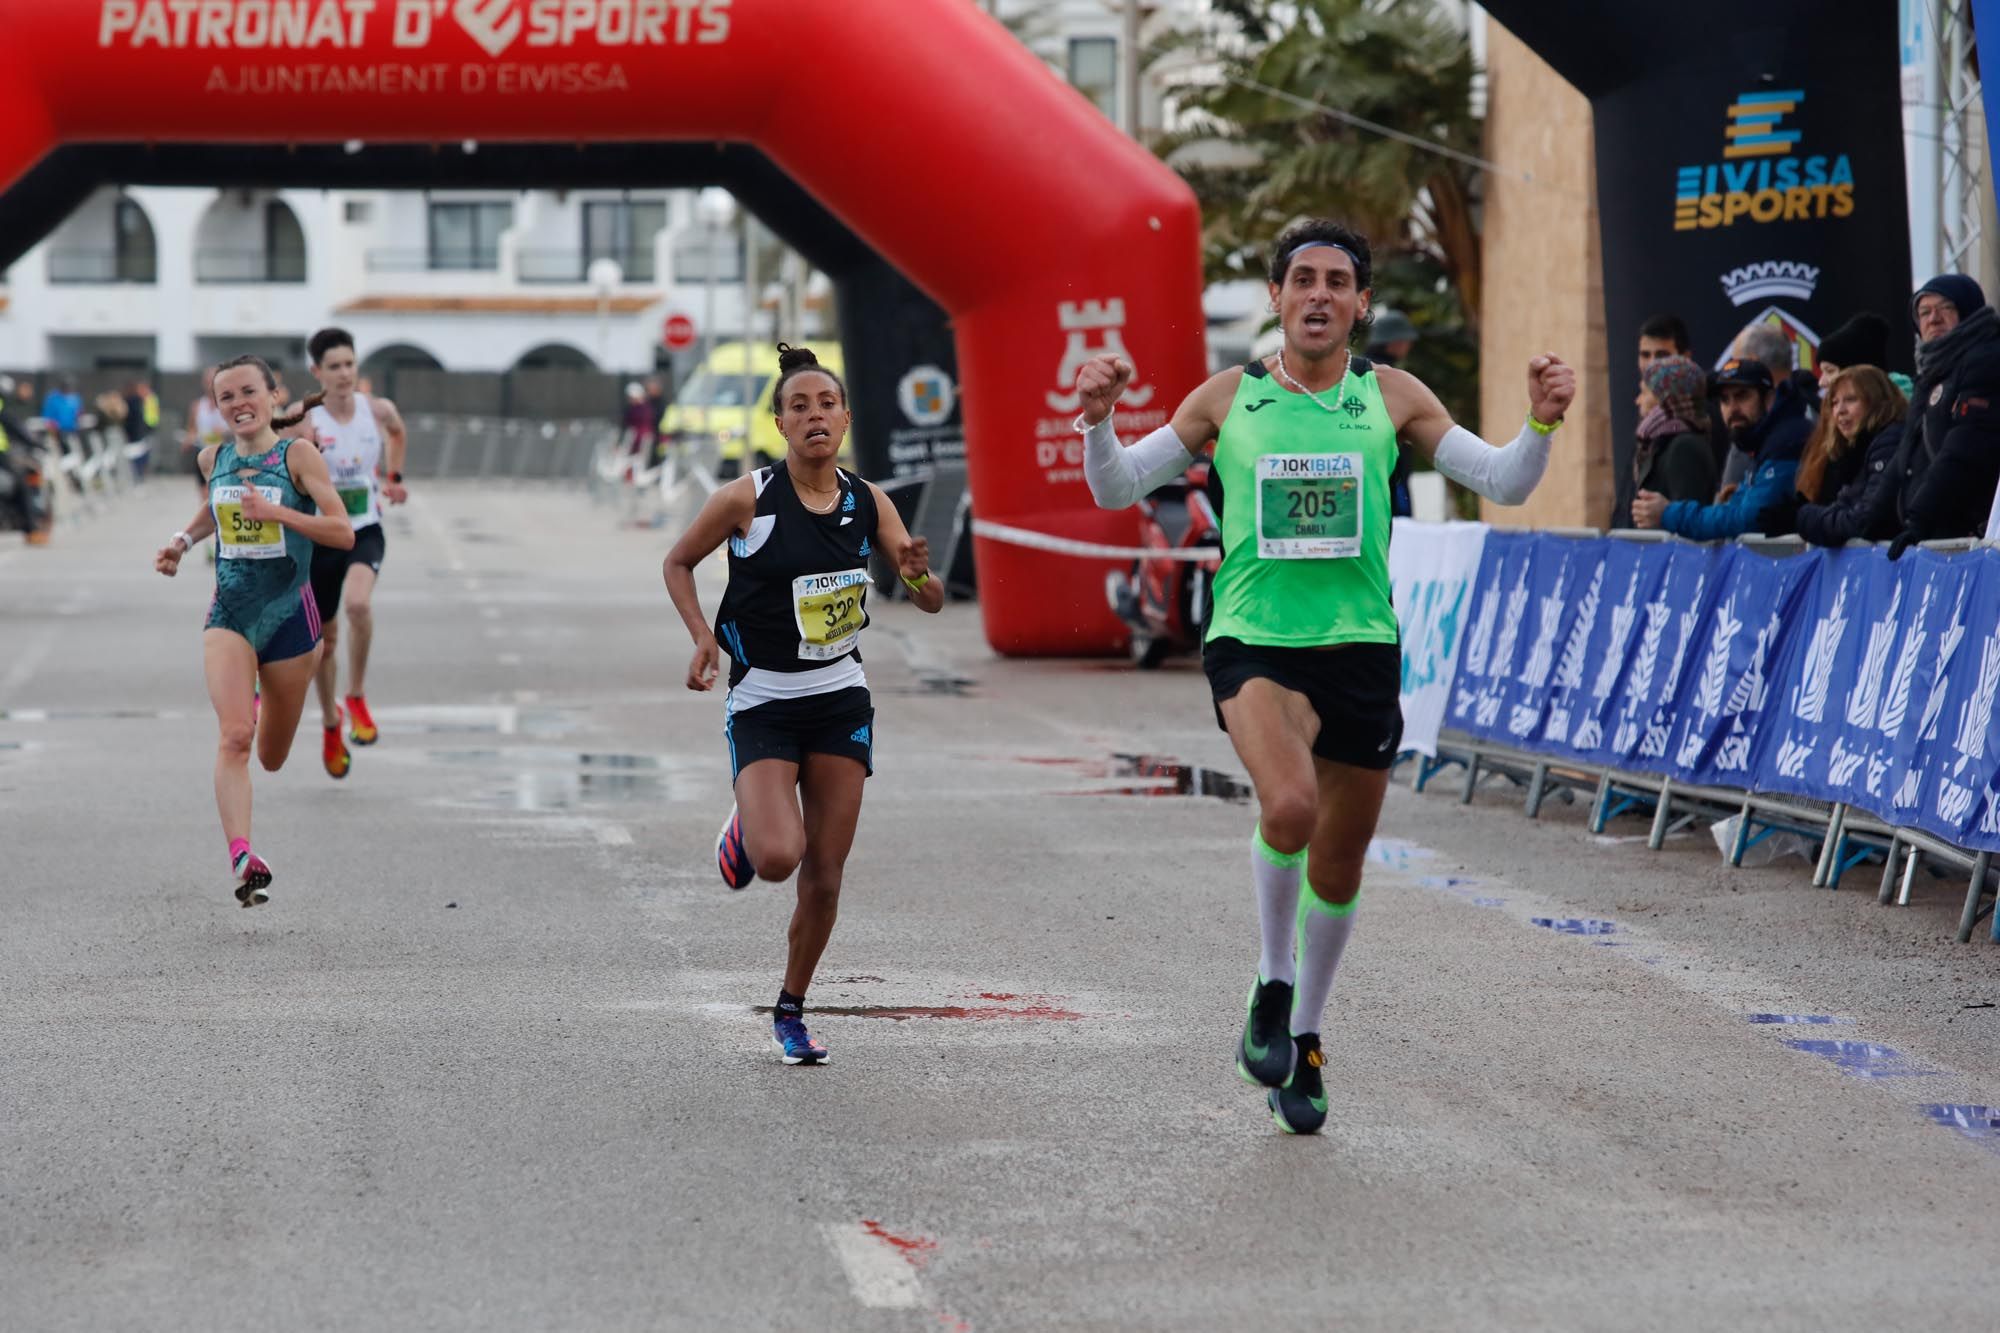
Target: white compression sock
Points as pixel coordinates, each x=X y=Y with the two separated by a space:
x=1277 y=875
x=1323 y=931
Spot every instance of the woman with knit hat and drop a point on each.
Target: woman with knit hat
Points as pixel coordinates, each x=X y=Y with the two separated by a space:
x=1671 y=457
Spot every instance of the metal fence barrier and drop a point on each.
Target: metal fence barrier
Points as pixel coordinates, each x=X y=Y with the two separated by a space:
x=1847 y=838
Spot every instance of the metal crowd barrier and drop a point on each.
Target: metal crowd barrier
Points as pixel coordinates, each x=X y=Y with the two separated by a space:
x=502 y=448
x=1847 y=837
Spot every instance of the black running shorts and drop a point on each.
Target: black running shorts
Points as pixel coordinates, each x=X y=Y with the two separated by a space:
x=330 y=566
x=1356 y=689
x=839 y=722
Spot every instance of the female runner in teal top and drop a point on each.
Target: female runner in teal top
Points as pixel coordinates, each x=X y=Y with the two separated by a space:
x=269 y=500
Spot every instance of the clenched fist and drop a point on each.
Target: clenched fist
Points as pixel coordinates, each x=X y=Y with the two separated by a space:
x=1551 y=388
x=916 y=559
x=257 y=506
x=1099 y=383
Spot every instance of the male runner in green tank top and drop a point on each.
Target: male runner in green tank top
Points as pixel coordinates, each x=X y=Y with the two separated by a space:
x=1302 y=648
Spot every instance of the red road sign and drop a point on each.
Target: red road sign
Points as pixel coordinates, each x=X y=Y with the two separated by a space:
x=679 y=334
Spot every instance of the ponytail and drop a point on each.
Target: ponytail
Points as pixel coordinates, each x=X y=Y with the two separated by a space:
x=298 y=413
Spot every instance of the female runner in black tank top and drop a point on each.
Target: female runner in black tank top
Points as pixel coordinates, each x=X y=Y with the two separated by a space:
x=800 y=721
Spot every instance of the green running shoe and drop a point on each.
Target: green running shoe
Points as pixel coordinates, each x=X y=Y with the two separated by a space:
x=1264 y=1056
x=1299 y=1107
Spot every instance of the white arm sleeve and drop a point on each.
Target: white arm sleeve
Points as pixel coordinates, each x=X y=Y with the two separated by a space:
x=1119 y=476
x=1507 y=475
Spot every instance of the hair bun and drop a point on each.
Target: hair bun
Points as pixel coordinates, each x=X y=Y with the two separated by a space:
x=792 y=358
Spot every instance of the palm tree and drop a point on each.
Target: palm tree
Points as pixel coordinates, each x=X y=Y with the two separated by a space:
x=1267 y=142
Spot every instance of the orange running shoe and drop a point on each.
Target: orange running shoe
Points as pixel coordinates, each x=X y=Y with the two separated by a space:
x=362 y=732
x=333 y=750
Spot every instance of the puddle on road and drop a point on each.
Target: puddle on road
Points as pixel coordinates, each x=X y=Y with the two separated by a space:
x=931 y=685
x=479 y=719
x=1571 y=925
x=1814 y=1019
x=1161 y=775
x=92 y=714
x=1981 y=1124
x=997 y=1005
x=1396 y=853
x=554 y=780
x=1862 y=1059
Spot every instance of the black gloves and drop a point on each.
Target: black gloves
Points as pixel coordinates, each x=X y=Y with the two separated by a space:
x=1905 y=539
x=1775 y=520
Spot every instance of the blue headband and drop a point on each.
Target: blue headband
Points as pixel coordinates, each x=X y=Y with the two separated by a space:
x=1336 y=245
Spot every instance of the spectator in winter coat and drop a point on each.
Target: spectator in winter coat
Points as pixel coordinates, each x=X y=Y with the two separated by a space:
x=1950 y=458
x=1671 y=458
x=1845 y=485
x=1660 y=337
x=1767 y=424
x=1773 y=348
x=63 y=407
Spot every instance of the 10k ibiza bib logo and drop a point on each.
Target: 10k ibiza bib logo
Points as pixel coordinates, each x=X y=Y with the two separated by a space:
x=496 y=26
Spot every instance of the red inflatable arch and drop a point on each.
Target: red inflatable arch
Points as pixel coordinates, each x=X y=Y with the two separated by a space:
x=1044 y=233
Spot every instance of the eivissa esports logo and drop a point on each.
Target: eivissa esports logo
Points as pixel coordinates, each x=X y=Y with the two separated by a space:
x=1762 y=177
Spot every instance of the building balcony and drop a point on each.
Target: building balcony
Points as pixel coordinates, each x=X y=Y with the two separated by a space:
x=573 y=266
x=69 y=265
x=422 y=259
x=248 y=266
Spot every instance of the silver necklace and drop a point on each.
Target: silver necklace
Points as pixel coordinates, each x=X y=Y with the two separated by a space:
x=800 y=488
x=1339 y=390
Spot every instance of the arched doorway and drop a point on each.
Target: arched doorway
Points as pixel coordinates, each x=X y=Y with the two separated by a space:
x=108 y=239
x=1056 y=237
x=384 y=366
x=249 y=236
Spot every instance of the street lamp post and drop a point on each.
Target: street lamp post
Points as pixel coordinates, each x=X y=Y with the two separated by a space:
x=750 y=311
x=604 y=276
x=715 y=208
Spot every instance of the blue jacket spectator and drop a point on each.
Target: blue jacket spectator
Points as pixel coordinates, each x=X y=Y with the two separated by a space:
x=63 y=406
x=1769 y=423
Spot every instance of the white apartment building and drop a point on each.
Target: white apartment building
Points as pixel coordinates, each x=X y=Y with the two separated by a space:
x=173 y=279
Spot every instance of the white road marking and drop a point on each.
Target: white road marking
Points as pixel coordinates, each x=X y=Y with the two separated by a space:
x=509 y=659
x=881 y=1278
x=613 y=835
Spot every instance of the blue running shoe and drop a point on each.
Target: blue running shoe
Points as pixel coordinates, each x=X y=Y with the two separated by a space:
x=795 y=1045
x=1299 y=1107
x=732 y=858
x=1264 y=1055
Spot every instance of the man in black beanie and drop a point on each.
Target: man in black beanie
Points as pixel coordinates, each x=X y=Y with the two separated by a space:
x=1950 y=458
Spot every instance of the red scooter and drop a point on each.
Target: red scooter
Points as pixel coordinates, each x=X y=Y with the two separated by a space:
x=1167 y=601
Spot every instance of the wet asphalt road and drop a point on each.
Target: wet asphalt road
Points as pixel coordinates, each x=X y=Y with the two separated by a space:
x=489 y=1059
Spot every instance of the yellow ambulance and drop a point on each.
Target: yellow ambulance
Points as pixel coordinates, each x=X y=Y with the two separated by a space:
x=722 y=402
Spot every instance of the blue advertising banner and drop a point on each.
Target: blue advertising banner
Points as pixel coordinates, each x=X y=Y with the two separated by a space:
x=1722 y=701
x=1833 y=675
